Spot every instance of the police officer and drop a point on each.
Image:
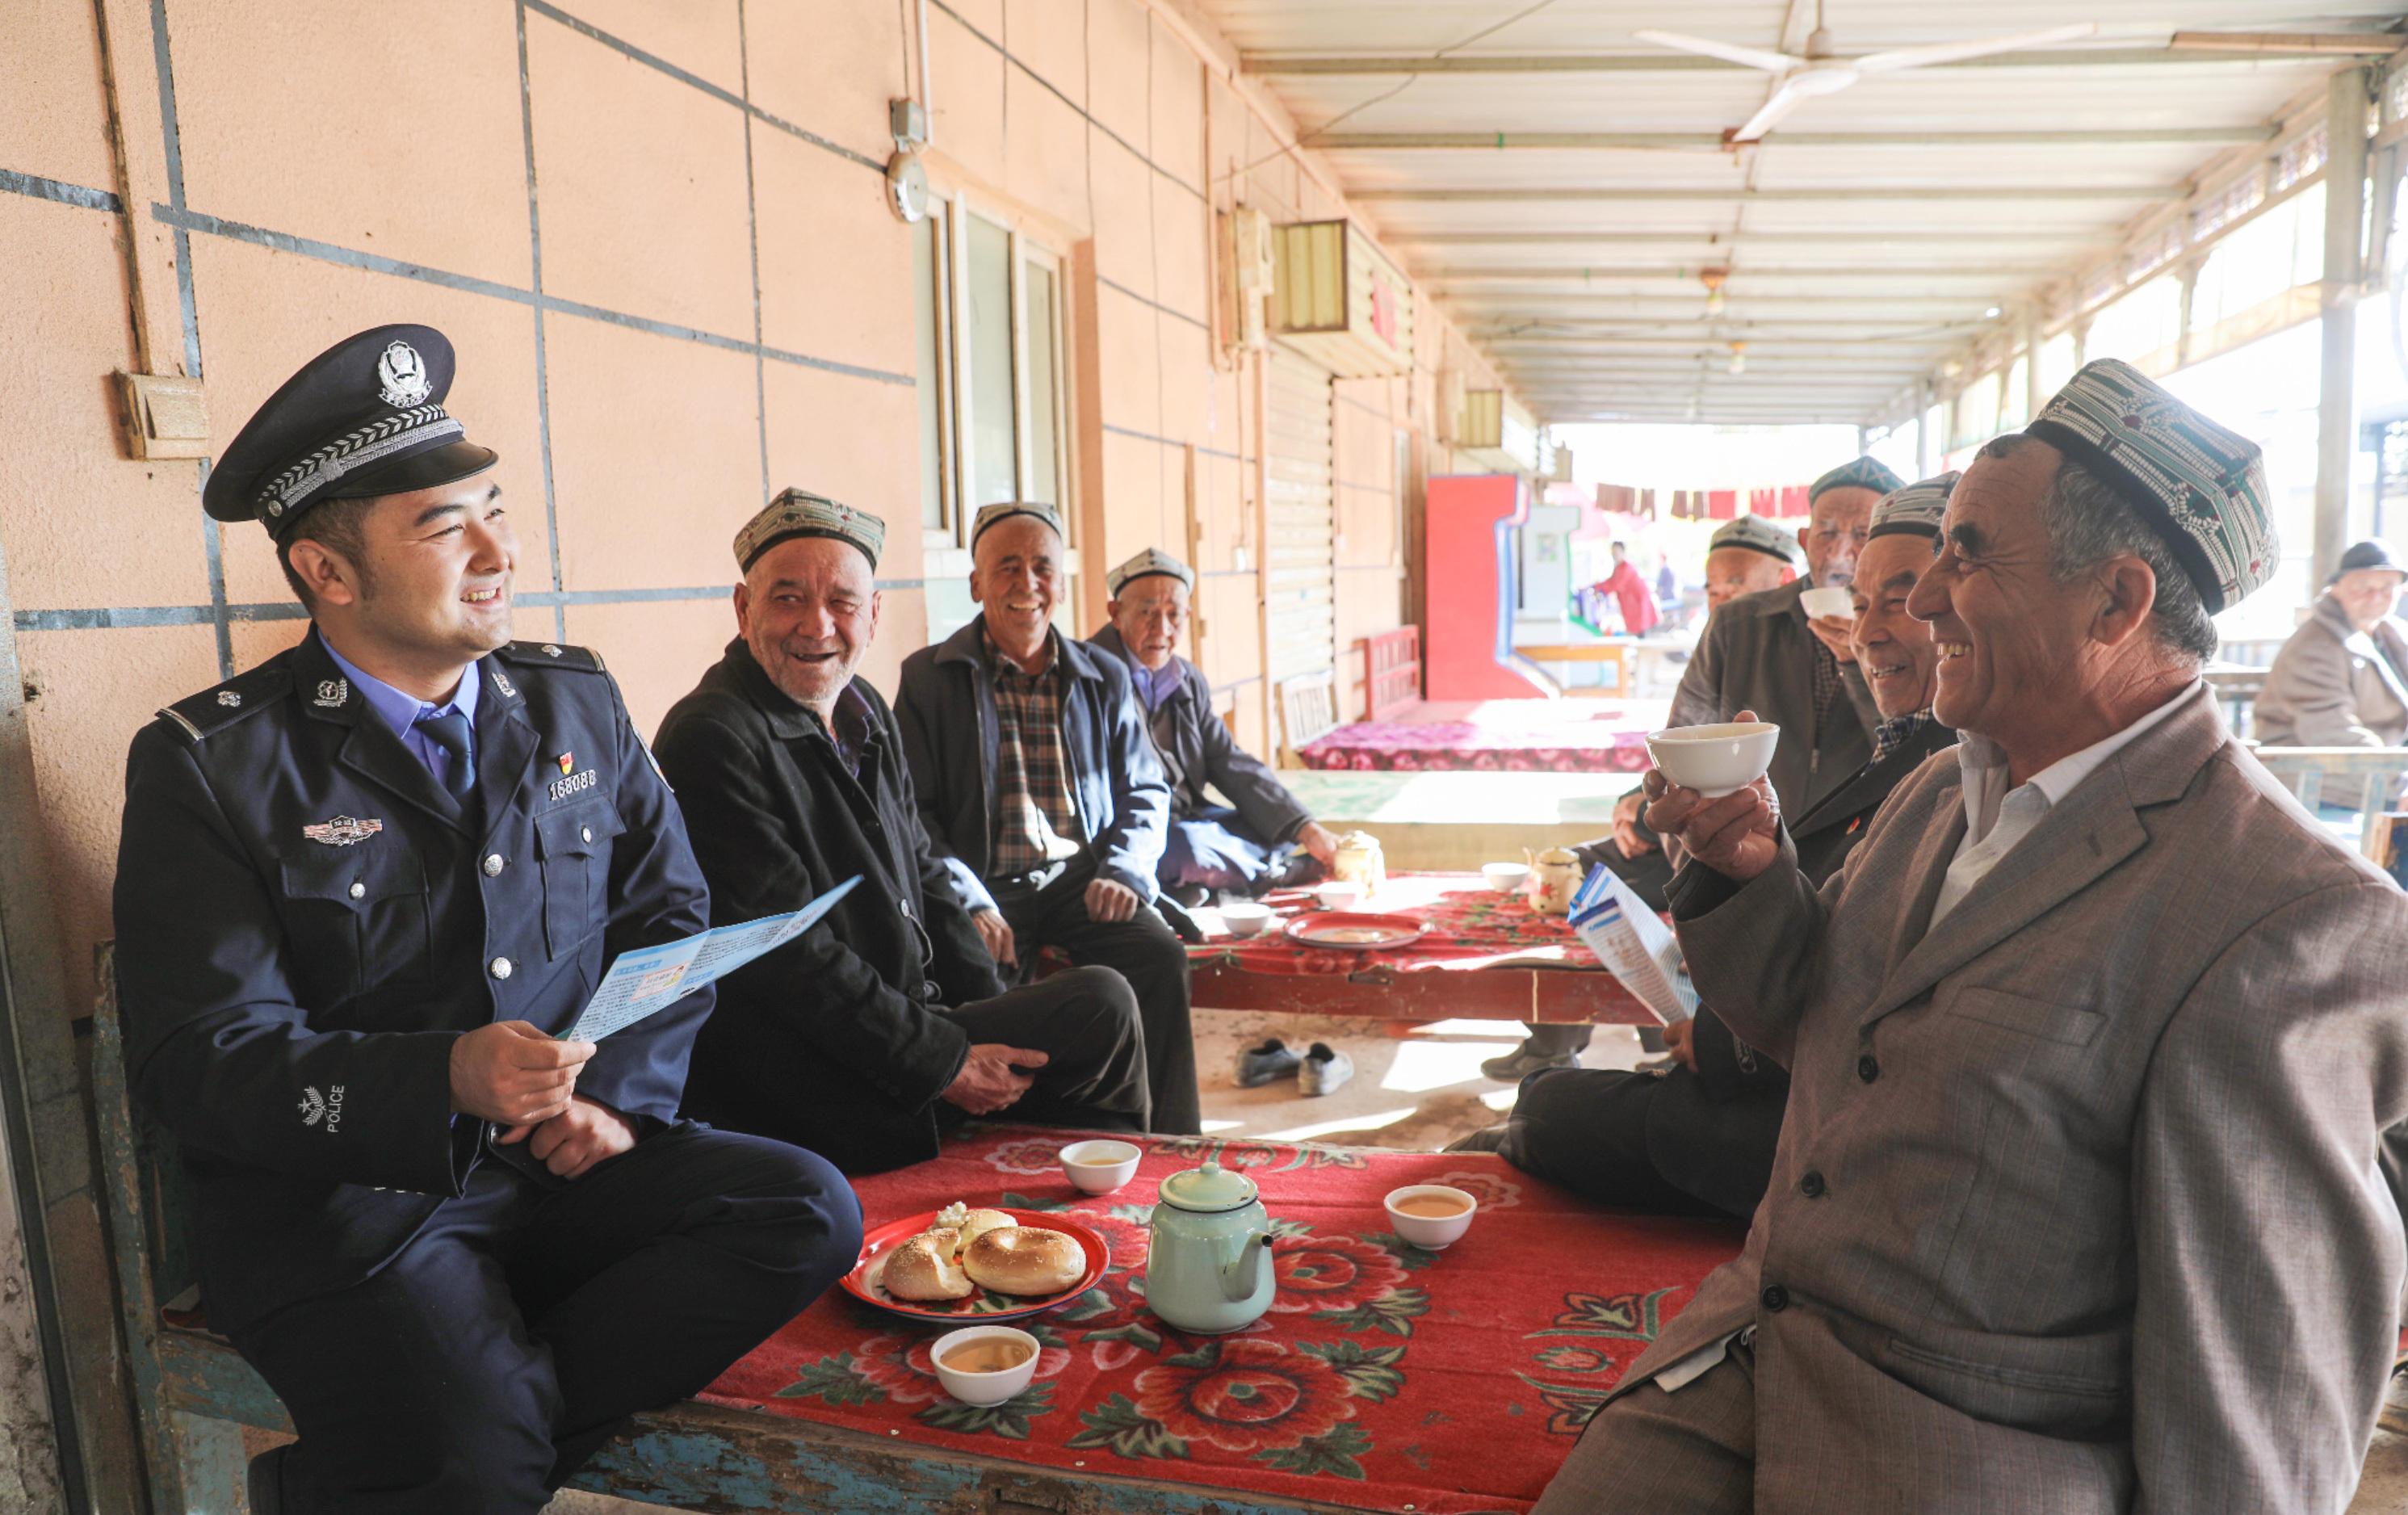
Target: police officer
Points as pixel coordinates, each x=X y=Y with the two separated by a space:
x=360 y=890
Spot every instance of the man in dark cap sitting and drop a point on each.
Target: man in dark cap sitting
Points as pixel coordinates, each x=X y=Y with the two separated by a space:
x=1264 y=837
x=862 y=1036
x=2341 y=681
x=1042 y=792
x=363 y=890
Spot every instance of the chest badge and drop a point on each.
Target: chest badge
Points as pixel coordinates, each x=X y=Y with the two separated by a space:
x=342 y=831
x=567 y=761
x=570 y=782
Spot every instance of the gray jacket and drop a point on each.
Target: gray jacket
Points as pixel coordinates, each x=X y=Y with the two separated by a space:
x=2334 y=685
x=1757 y=655
x=1196 y=749
x=2077 y=1205
x=945 y=707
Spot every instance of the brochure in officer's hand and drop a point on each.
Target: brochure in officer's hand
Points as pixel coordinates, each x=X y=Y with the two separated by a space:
x=652 y=978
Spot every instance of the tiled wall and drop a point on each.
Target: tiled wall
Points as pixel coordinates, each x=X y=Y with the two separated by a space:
x=658 y=234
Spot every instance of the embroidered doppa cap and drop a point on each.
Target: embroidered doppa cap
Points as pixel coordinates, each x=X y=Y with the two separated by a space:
x=1146 y=565
x=2199 y=486
x=1915 y=508
x=990 y=514
x=798 y=513
x=2374 y=552
x=363 y=418
x=1756 y=534
x=1859 y=473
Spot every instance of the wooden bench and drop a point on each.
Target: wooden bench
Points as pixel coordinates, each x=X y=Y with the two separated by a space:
x=194 y=1396
x=1392 y=672
x=1308 y=704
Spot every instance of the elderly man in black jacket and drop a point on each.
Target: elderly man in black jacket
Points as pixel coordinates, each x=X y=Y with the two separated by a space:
x=1699 y=1138
x=1041 y=790
x=863 y=1036
x=1264 y=837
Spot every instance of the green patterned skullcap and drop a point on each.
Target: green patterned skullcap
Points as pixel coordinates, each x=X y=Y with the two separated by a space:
x=1756 y=534
x=1914 y=507
x=2199 y=486
x=1146 y=565
x=1860 y=473
x=990 y=515
x=796 y=513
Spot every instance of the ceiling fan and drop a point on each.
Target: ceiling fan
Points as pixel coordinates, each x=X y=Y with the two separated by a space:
x=1819 y=73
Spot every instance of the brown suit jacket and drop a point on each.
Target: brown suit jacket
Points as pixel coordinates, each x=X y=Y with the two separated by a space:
x=2077 y=1206
x=2334 y=685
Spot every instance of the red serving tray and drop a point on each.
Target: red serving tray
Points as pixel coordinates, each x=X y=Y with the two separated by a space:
x=1313 y=929
x=986 y=1304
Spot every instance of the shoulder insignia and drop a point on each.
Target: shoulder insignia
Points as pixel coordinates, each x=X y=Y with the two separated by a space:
x=551 y=655
x=237 y=699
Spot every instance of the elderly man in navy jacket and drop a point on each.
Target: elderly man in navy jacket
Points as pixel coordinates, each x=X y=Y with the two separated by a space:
x=1264 y=837
x=1041 y=790
x=362 y=891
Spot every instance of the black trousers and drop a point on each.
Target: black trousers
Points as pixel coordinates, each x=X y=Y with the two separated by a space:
x=1145 y=952
x=1586 y=1129
x=1086 y=1024
x=479 y=1367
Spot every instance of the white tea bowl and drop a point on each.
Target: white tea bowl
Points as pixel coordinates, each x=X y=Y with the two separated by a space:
x=1714 y=759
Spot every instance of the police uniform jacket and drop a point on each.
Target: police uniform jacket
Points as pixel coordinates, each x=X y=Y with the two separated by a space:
x=2079 y=1184
x=945 y=708
x=1196 y=749
x=307 y=922
x=836 y=1041
x=1759 y=654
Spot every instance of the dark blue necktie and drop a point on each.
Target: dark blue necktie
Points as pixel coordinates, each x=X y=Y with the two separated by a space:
x=449 y=732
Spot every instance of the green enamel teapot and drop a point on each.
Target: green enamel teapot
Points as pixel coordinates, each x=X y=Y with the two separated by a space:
x=1208 y=1267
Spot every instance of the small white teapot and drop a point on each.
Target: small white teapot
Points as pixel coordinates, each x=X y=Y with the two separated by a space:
x=1555 y=876
x=1359 y=859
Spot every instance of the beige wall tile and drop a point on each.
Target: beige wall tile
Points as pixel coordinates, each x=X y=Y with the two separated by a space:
x=1046 y=151
x=1182 y=228
x=1124 y=190
x=855 y=439
x=965 y=81
x=650 y=494
x=986 y=15
x=1136 y=505
x=836 y=264
x=656 y=649
x=1050 y=37
x=698 y=36
x=1186 y=381
x=81 y=525
x=643 y=187
x=1127 y=354
x=264 y=314
x=56 y=123
x=99 y=688
x=1119 y=54
x=1175 y=113
x=432 y=165
x=831 y=81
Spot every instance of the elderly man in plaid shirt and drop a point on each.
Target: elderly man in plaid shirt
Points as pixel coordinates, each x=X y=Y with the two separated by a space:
x=1041 y=790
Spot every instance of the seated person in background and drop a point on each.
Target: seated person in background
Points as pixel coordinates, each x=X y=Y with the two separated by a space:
x=1748 y=556
x=1263 y=839
x=2341 y=681
x=1629 y=593
x=1699 y=1138
x=862 y=1036
x=1762 y=652
x=1040 y=791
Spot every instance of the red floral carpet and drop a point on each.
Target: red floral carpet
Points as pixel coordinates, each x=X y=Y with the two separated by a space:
x=1384 y=1377
x=1566 y=736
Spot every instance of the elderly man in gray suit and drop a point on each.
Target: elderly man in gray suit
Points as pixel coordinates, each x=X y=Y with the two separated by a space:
x=2077 y=1209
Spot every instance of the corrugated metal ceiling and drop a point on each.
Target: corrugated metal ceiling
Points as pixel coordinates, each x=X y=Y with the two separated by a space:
x=1575 y=265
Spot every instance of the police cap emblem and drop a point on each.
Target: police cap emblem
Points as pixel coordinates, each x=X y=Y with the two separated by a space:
x=401 y=377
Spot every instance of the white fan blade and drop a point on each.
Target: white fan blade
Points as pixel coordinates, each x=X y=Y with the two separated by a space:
x=1730 y=52
x=1956 y=52
x=1784 y=100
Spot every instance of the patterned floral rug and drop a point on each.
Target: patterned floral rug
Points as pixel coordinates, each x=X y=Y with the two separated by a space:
x=1565 y=736
x=1384 y=1377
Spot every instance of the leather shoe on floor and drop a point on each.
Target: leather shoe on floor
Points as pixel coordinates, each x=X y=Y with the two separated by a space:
x=1324 y=1071
x=1525 y=1060
x=1267 y=1063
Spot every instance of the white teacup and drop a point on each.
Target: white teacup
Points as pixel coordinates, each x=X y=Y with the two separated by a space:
x=1828 y=601
x=1098 y=1167
x=1245 y=918
x=1505 y=877
x=1431 y=1232
x=983 y=1388
x=1341 y=895
x=1714 y=759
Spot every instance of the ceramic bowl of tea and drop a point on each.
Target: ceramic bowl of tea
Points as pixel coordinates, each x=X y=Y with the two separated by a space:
x=1340 y=894
x=1819 y=602
x=1245 y=917
x=984 y=1365
x=1505 y=877
x=1098 y=1167
x=1431 y=1216
x=1715 y=760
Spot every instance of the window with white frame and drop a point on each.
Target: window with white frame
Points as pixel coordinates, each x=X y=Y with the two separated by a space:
x=993 y=387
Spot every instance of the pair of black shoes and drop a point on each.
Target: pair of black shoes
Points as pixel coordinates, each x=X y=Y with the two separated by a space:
x=1321 y=1070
